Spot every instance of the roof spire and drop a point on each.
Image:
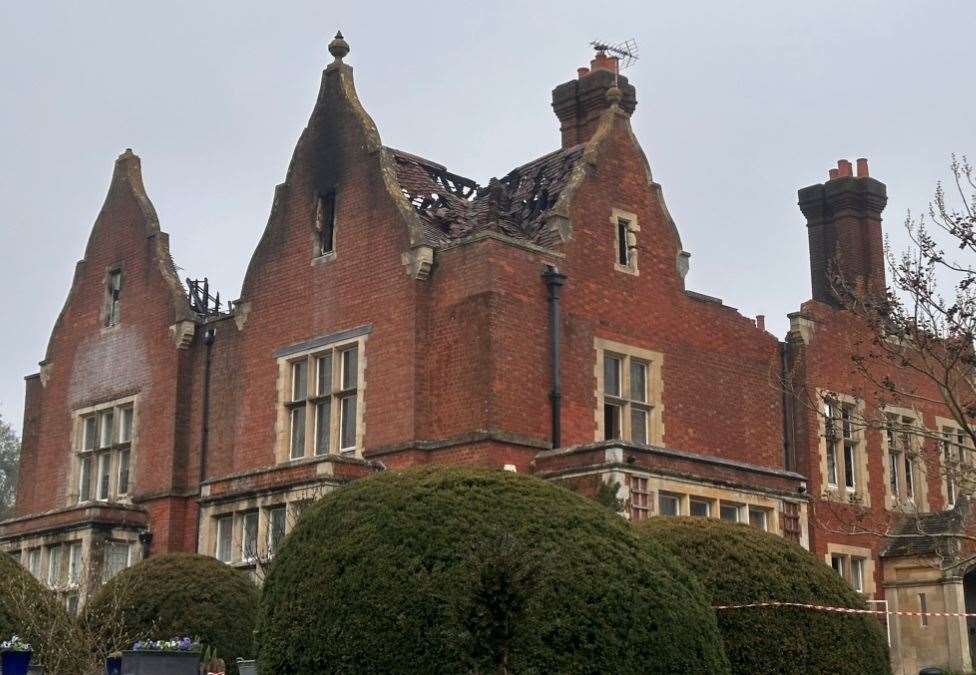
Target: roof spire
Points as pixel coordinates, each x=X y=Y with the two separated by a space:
x=338 y=47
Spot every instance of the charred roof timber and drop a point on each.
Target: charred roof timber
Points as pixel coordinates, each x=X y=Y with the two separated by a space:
x=201 y=301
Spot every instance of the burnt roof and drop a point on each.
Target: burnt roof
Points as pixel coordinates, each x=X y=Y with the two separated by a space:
x=453 y=207
x=920 y=534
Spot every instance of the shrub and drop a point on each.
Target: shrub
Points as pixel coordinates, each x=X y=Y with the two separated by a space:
x=31 y=611
x=739 y=564
x=458 y=570
x=181 y=594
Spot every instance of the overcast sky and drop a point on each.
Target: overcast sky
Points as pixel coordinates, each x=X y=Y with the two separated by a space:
x=739 y=105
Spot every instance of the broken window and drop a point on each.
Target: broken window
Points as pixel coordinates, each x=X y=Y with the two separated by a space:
x=113 y=292
x=623 y=245
x=325 y=223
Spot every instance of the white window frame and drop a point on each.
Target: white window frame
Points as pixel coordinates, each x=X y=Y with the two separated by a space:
x=272 y=545
x=700 y=500
x=730 y=505
x=108 y=546
x=75 y=552
x=224 y=523
x=255 y=516
x=670 y=497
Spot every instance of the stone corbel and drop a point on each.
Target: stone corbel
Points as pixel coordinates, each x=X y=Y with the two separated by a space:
x=802 y=325
x=45 y=373
x=241 y=311
x=183 y=333
x=683 y=263
x=418 y=261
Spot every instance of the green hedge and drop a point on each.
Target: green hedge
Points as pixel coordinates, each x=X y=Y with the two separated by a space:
x=28 y=609
x=459 y=570
x=182 y=594
x=739 y=564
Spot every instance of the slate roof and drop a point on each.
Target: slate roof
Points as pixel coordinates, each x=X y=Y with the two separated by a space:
x=915 y=532
x=453 y=207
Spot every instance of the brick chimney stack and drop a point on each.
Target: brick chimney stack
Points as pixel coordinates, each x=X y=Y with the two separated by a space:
x=844 y=227
x=579 y=103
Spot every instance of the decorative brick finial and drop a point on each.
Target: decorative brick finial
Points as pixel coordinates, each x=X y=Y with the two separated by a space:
x=339 y=47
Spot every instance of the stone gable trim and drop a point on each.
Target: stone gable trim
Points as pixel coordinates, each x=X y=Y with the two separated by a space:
x=324 y=340
x=497 y=236
x=462 y=439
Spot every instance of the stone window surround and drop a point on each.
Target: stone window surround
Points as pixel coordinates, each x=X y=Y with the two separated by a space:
x=942 y=425
x=86 y=536
x=919 y=480
x=78 y=444
x=849 y=552
x=292 y=499
x=687 y=490
x=840 y=492
x=106 y=320
x=616 y=215
x=342 y=340
x=655 y=387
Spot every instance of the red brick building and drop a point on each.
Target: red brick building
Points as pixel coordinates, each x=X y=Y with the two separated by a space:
x=395 y=313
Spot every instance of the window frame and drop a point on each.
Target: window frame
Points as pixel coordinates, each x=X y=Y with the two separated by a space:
x=905 y=481
x=670 y=497
x=342 y=396
x=624 y=235
x=254 y=516
x=325 y=232
x=640 y=497
x=619 y=410
x=113 y=295
x=105 y=438
x=224 y=523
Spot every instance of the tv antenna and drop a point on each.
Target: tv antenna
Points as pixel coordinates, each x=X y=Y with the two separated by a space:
x=626 y=51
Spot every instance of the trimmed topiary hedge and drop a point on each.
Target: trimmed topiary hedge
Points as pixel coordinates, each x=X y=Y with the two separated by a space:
x=183 y=594
x=28 y=609
x=739 y=564
x=458 y=570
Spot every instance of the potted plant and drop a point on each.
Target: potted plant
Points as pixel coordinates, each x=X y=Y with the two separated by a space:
x=179 y=656
x=113 y=664
x=15 y=656
x=247 y=667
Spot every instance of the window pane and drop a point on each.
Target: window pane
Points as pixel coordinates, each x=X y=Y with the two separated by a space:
x=729 y=512
x=857 y=574
x=611 y=421
x=107 y=428
x=837 y=562
x=350 y=368
x=249 y=536
x=224 y=538
x=893 y=473
x=104 y=476
x=849 y=465
x=323 y=378
x=909 y=478
x=91 y=429
x=611 y=376
x=831 y=463
x=71 y=603
x=74 y=563
x=348 y=431
x=125 y=427
x=298 y=432
x=668 y=505
x=623 y=252
x=116 y=559
x=299 y=380
x=323 y=423
x=638 y=425
x=84 y=487
x=698 y=508
x=325 y=222
x=638 y=381
x=757 y=518
x=34 y=562
x=54 y=566
x=276 y=528
x=123 y=472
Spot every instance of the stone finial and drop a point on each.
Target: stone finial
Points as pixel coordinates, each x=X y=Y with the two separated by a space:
x=339 y=47
x=614 y=95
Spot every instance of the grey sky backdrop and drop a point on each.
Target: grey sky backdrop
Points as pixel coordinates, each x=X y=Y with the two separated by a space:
x=739 y=105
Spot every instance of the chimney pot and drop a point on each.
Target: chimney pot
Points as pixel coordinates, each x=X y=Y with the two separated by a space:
x=862 y=168
x=833 y=173
x=845 y=168
x=582 y=72
x=761 y=322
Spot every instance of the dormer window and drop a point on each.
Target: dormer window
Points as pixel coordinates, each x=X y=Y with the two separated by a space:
x=112 y=292
x=325 y=223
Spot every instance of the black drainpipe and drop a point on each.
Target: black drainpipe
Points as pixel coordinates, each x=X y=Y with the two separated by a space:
x=208 y=340
x=789 y=411
x=554 y=281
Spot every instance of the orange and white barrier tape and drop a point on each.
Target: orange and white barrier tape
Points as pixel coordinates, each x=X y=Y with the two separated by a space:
x=841 y=610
